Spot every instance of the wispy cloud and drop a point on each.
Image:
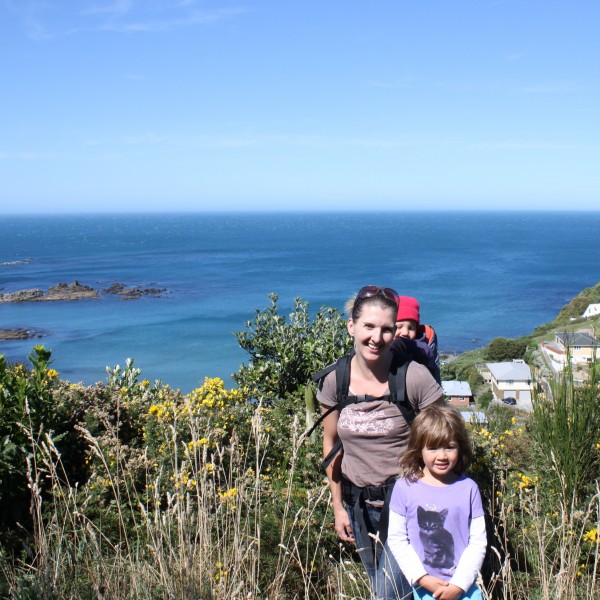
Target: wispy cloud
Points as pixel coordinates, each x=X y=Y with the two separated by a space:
x=115 y=7
x=556 y=87
x=55 y=18
x=533 y=145
x=149 y=24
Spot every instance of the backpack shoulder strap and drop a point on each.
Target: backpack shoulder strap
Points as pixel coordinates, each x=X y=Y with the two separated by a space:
x=397 y=383
x=342 y=385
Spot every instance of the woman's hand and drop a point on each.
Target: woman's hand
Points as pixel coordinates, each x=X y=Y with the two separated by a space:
x=342 y=524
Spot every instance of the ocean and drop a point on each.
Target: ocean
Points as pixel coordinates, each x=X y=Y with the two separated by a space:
x=478 y=275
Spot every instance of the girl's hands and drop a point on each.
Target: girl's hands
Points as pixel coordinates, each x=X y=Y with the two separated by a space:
x=449 y=592
x=439 y=588
x=342 y=524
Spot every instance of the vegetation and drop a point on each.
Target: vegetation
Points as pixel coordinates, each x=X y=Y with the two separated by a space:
x=134 y=490
x=500 y=349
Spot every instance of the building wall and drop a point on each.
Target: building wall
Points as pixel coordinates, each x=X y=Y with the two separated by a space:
x=516 y=389
x=459 y=400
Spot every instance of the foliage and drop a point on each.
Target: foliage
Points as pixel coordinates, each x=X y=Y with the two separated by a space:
x=566 y=428
x=463 y=367
x=27 y=411
x=484 y=399
x=572 y=311
x=505 y=349
x=285 y=353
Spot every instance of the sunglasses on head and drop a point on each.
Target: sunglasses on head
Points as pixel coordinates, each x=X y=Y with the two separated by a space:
x=368 y=291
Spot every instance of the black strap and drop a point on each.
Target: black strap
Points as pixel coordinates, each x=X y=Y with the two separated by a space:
x=357 y=497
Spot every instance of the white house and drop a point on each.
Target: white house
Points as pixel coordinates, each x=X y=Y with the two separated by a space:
x=511 y=380
x=581 y=345
x=593 y=310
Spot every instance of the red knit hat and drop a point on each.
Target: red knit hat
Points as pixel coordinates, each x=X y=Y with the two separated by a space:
x=408 y=308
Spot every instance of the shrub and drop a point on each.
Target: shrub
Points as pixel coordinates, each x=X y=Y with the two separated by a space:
x=501 y=349
x=285 y=353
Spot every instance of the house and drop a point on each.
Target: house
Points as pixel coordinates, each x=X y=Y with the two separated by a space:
x=511 y=380
x=474 y=417
x=458 y=393
x=582 y=346
x=593 y=310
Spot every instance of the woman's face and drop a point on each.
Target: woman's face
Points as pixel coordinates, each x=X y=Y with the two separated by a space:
x=373 y=331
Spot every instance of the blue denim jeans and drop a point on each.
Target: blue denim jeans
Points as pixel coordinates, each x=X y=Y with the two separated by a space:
x=473 y=593
x=387 y=580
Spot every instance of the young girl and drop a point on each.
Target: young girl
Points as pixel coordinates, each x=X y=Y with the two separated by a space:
x=436 y=523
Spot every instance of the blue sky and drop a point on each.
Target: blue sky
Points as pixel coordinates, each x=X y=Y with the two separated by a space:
x=131 y=105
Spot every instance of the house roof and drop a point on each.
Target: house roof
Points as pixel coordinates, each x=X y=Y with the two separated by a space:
x=510 y=371
x=456 y=388
x=474 y=416
x=577 y=338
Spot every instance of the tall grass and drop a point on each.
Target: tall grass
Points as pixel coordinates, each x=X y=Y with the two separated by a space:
x=217 y=533
x=190 y=503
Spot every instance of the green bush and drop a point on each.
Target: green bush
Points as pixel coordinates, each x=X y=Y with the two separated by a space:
x=284 y=353
x=502 y=349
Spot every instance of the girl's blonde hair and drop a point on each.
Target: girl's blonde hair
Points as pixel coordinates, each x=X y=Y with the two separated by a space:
x=433 y=426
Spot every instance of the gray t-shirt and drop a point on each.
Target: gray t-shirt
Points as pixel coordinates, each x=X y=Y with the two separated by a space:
x=375 y=433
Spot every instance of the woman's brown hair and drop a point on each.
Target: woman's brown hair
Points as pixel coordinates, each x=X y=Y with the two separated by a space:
x=434 y=426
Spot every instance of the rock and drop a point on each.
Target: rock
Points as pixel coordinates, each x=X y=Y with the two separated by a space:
x=72 y=291
x=22 y=296
x=77 y=291
x=115 y=288
x=119 y=289
x=19 y=334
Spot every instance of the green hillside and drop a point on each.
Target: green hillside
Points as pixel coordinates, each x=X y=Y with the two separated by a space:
x=569 y=319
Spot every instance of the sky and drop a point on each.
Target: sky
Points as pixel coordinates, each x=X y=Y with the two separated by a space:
x=192 y=105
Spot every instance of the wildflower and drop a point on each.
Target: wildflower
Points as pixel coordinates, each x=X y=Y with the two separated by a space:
x=51 y=374
x=591 y=536
x=228 y=495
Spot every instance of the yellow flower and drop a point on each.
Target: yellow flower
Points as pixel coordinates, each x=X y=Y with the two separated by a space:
x=228 y=495
x=51 y=374
x=592 y=535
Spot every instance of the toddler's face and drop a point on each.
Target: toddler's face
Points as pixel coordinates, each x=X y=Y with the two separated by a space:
x=406 y=329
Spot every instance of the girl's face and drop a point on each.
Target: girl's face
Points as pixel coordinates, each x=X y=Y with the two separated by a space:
x=440 y=460
x=373 y=331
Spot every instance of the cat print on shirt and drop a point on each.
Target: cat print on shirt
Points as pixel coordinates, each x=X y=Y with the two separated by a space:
x=438 y=544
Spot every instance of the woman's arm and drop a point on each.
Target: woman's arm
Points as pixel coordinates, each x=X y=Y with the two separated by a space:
x=334 y=475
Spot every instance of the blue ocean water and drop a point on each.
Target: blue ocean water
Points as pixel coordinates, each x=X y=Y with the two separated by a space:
x=478 y=275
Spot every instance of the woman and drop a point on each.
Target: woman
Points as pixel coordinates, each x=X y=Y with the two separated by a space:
x=374 y=431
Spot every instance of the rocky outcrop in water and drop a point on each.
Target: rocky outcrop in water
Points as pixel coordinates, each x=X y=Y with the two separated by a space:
x=126 y=293
x=77 y=291
x=20 y=334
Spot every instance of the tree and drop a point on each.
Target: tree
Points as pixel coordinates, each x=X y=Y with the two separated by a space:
x=284 y=353
x=500 y=349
